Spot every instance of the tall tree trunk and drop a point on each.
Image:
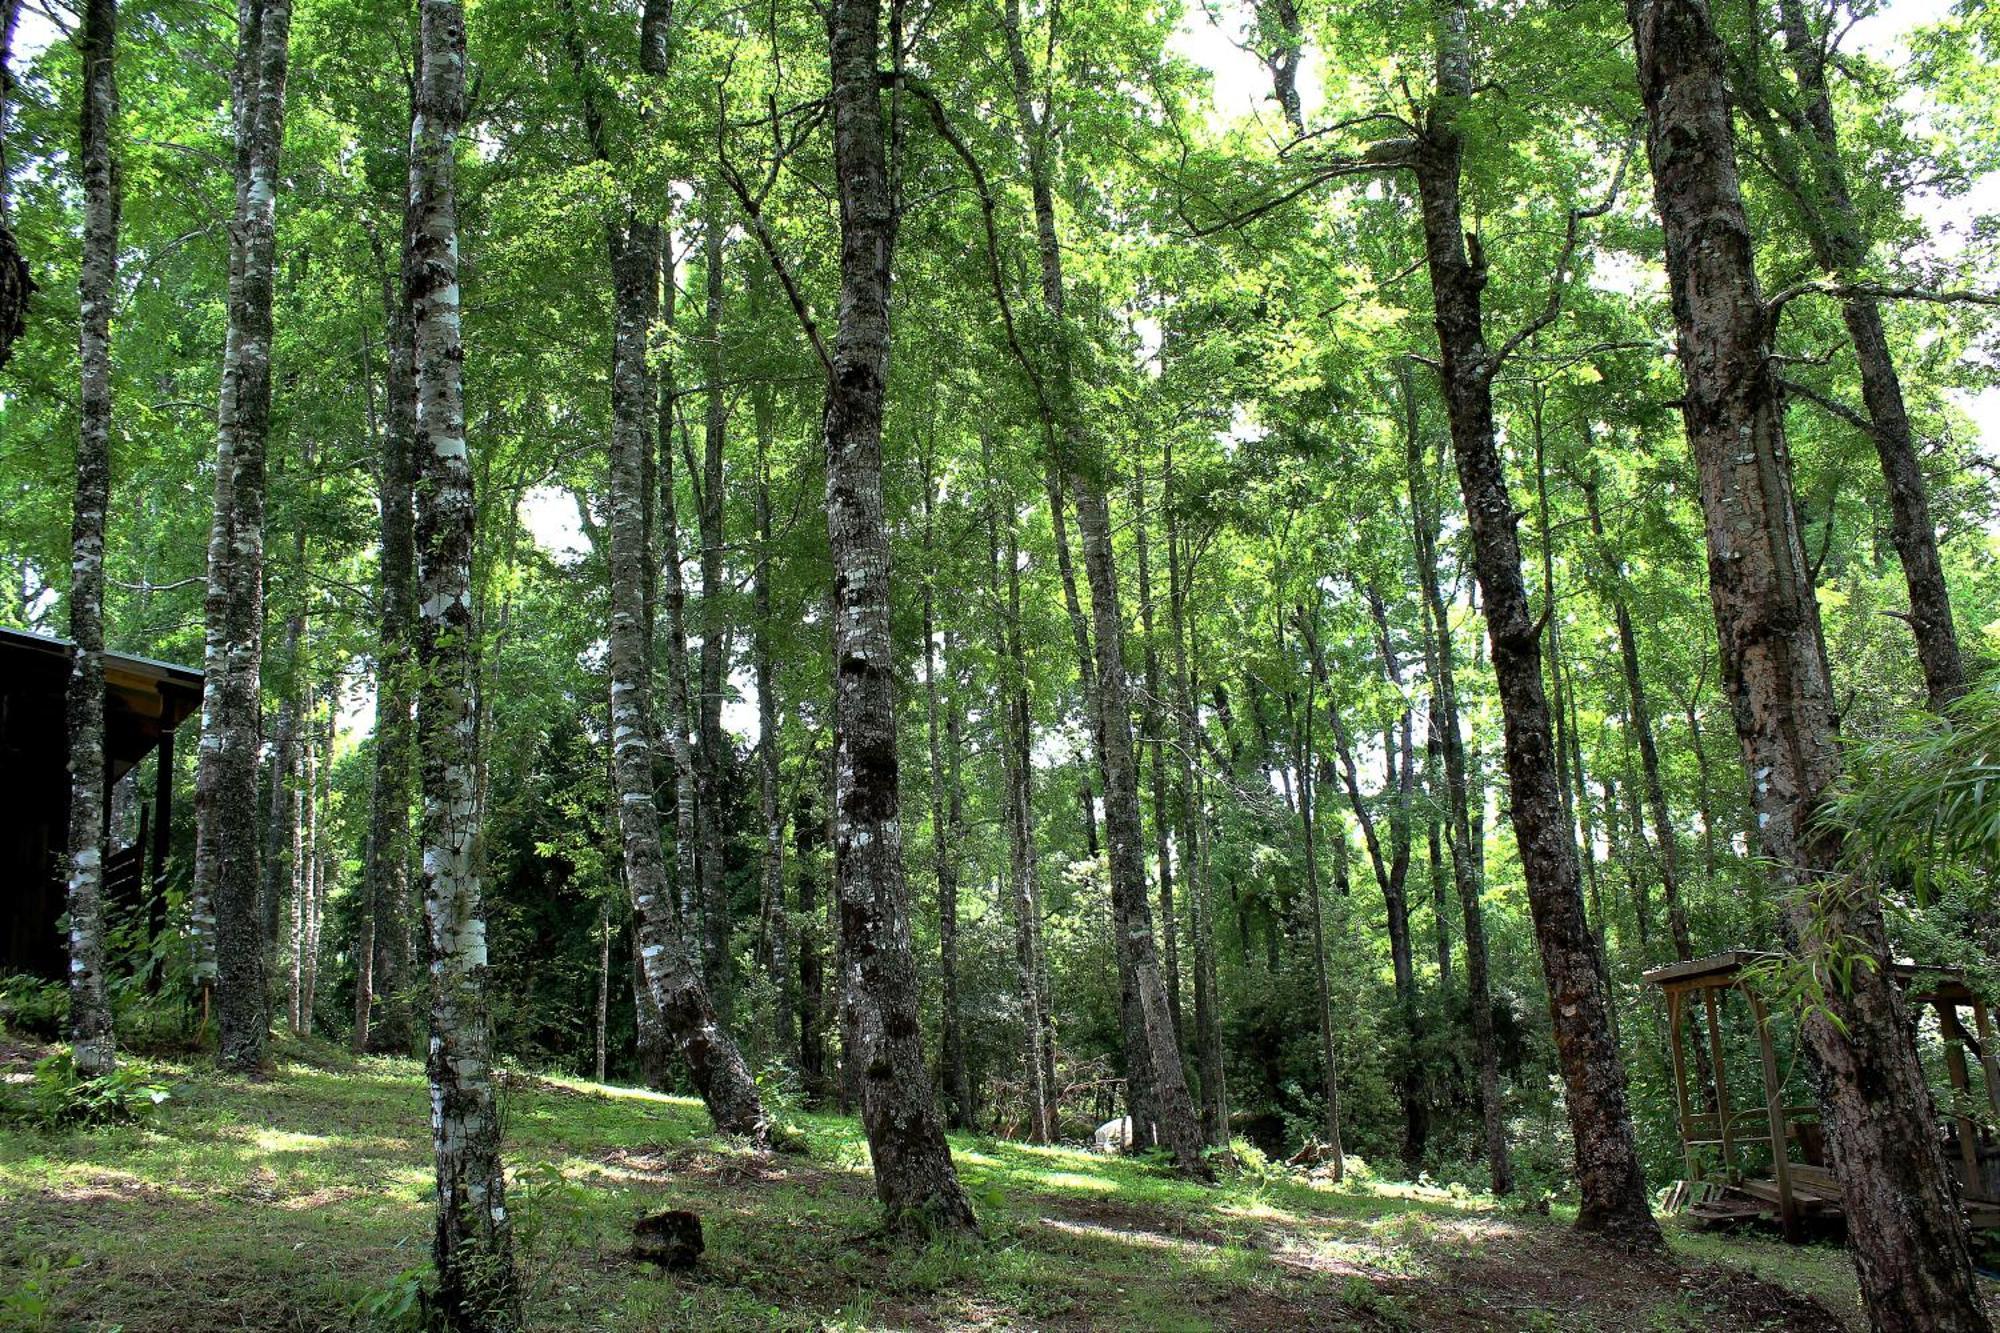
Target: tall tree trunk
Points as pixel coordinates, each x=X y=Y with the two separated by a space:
x=278 y=831
x=808 y=833
x=603 y=1023
x=16 y=284
x=473 y=1245
x=777 y=938
x=93 y=1048
x=713 y=754
x=386 y=872
x=1904 y=1224
x=1612 y=1185
x=914 y=1176
x=1017 y=777
x=1444 y=729
x=1303 y=762
x=1837 y=235
x=1196 y=884
x=227 y=881
x=1640 y=715
x=1157 y=1087
x=946 y=835
x=1153 y=722
x=720 y=1074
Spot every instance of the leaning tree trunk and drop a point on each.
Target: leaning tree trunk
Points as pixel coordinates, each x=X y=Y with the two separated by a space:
x=473 y=1245
x=1609 y=1178
x=1904 y=1224
x=720 y=1074
x=92 y=1046
x=386 y=871
x=1835 y=231
x=914 y=1175
x=227 y=882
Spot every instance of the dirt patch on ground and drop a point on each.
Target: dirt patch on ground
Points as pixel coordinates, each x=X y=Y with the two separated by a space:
x=1506 y=1276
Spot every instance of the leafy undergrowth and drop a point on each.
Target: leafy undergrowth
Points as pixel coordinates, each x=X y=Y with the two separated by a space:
x=302 y=1203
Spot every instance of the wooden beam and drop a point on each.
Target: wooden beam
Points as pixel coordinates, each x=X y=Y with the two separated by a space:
x=1720 y=1073
x=1774 y=1110
x=1675 y=1000
x=1961 y=1084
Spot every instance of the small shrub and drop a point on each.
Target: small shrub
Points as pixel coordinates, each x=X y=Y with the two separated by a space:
x=29 y=1302
x=402 y=1305
x=63 y=1099
x=34 y=1007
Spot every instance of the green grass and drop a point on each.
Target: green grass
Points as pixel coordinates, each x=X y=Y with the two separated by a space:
x=294 y=1202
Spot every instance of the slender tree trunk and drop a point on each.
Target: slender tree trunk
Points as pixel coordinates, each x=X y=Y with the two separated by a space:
x=1640 y=715
x=1153 y=715
x=713 y=753
x=946 y=835
x=603 y=987
x=473 y=1247
x=808 y=830
x=1017 y=777
x=1612 y=1185
x=1303 y=762
x=720 y=1074
x=1157 y=1087
x=1434 y=858
x=777 y=937
x=1465 y=867
x=386 y=873
x=16 y=284
x=277 y=867
x=1196 y=884
x=93 y=1047
x=1839 y=242
x=1904 y=1224
x=227 y=881
x=914 y=1176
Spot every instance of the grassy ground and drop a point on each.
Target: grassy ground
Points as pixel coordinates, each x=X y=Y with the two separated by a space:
x=303 y=1203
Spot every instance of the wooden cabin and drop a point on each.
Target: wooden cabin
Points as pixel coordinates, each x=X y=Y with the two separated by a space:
x=144 y=702
x=1751 y=1156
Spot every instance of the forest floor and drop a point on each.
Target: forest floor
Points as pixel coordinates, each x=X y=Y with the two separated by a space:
x=303 y=1202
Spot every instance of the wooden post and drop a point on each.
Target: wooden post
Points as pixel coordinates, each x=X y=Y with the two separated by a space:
x=1774 y=1109
x=1674 y=1001
x=1721 y=1074
x=154 y=889
x=1961 y=1083
x=1989 y=1058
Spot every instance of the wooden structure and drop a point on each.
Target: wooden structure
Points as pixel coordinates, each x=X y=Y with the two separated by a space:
x=1798 y=1186
x=144 y=701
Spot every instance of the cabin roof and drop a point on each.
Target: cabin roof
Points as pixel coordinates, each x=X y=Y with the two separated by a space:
x=1722 y=969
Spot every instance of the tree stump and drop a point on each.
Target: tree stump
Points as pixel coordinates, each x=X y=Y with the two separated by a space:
x=671 y=1239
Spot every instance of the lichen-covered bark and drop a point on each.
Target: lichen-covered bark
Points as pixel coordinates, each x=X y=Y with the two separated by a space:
x=1905 y=1228
x=914 y=1176
x=473 y=1244
x=720 y=1074
x=92 y=1046
x=1609 y=1179
x=227 y=881
x=386 y=872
